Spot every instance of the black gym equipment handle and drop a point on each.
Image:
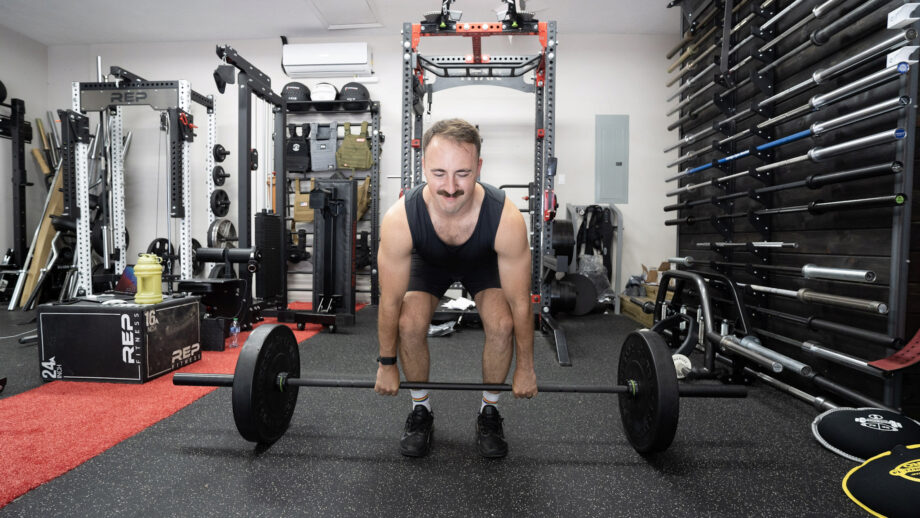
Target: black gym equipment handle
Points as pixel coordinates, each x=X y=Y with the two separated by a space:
x=226 y=380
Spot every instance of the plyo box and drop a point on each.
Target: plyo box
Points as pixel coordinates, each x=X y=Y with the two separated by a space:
x=96 y=340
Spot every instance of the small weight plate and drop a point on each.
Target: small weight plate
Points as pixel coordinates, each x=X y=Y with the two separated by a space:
x=218 y=175
x=650 y=416
x=197 y=266
x=222 y=234
x=220 y=153
x=220 y=203
x=162 y=248
x=261 y=409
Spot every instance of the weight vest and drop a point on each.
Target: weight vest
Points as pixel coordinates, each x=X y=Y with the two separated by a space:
x=297 y=149
x=355 y=151
x=323 y=139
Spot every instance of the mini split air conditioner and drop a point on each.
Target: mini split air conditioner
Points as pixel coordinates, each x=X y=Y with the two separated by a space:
x=327 y=59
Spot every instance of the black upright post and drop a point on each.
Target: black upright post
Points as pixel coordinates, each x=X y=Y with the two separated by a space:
x=244 y=201
x=281 y=197
x=17 y=137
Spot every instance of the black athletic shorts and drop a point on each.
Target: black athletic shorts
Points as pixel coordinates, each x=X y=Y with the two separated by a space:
x=436 y=279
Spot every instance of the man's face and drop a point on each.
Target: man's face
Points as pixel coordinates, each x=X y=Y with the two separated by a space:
x=451 y=170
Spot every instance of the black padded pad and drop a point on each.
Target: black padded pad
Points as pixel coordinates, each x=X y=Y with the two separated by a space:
x=862 y=433
x=887 y=484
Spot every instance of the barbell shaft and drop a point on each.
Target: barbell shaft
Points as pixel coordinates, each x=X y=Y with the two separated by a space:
x=891 y=43
x=816 y=129
x=814 y=104
x=780 y=15
x=691 y=33
x=818 y=77
x=787 y=56
x=226 y=380
x=815 y=13
x=809 y=271
x=815 y=207
x=815 y=154
x=814 y=181
x=694 y=47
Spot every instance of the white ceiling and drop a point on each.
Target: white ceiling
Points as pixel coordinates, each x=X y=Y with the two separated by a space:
x=67 y=22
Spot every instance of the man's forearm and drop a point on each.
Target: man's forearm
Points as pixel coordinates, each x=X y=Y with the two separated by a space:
x=523 y=335
x=388 y=328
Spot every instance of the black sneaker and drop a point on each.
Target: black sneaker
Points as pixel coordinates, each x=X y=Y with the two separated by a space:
x=416 y=439
x=490 y=439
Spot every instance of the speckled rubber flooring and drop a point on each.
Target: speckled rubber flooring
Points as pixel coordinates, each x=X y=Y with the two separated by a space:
x=568 y=455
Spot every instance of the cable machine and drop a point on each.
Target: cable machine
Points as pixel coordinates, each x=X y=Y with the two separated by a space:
x=270 y=248
x=173 y=98
x=506 y=71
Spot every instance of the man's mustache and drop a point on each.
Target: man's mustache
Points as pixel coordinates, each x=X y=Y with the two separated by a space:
x=446 y=194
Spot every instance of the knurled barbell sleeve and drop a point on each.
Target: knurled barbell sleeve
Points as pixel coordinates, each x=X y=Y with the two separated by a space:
x=813 y=271
x=752 y=343
x=681 y=261
x=869 y=306
x=732 y=344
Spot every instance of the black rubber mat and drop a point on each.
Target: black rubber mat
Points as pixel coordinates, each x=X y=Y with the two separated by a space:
x=568 y=455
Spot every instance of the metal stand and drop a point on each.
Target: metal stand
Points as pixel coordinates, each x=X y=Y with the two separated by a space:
x=172 y=97
x=253 y=82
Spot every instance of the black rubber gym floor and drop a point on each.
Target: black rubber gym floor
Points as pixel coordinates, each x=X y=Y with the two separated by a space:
x=568 y=455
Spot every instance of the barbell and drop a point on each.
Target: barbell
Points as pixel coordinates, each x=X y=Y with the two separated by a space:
x=267 y=380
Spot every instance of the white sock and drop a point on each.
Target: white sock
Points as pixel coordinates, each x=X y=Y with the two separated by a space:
x=420 y=397
x=489 y=398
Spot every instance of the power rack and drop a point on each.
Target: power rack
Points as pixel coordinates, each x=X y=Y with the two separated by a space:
x=477 y=68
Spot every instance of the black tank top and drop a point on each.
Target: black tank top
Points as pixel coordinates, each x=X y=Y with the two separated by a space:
x=478 y=248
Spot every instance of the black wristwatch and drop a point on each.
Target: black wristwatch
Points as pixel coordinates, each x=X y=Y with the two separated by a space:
x=386 y=360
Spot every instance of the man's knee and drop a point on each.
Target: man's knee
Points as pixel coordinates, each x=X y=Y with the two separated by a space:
x=412 y=324
x=501 y=328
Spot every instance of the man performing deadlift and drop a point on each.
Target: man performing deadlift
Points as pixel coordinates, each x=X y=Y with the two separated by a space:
x=453 y=228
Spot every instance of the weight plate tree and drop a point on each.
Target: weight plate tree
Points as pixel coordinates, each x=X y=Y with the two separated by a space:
x=265 y=387
x=795 y=128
